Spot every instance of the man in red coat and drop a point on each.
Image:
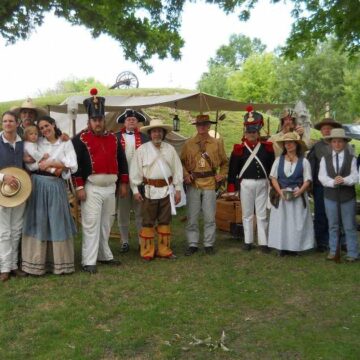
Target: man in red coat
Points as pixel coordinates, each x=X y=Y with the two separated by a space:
x=102 y=165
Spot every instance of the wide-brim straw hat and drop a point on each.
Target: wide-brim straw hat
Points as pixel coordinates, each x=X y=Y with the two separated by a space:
x=10 y=197
x=327 y=121
x=28 y=104
x=156 y=123
x=338 y=134
x=292 y=136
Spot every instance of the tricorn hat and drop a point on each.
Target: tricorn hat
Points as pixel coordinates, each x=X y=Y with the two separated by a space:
x=95 y=105
x=253 y=120
x=202 y=119
x=292 y=136
x=156 y=123
x=327 y=121
x=338 y=133
x=28 y=104
x=11 y=197
x=131 y=113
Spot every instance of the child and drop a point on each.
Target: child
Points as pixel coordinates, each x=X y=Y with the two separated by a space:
x=338 y=174
x=31 y=136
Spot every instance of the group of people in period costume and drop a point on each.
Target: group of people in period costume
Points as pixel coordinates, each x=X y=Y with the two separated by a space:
x=136 y=170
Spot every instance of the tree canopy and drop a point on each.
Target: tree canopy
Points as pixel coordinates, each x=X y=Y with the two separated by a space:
x=150 y=27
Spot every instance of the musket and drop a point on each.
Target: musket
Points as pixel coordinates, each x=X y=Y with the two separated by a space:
x=337 y=257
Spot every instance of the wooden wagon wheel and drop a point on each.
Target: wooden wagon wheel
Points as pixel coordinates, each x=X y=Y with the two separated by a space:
x=126 y=80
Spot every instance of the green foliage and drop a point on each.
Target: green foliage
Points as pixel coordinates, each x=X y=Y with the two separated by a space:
x=256 y=80
x=215 y=81
x=75 y=85
x=317 y=79
x=234 y=54
x=143 y=28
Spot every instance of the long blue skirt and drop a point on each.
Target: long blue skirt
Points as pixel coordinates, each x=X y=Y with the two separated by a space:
x=47 y=242
x=47 y=215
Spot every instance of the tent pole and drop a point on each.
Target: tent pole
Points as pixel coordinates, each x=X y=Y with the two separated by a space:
x=217 y=119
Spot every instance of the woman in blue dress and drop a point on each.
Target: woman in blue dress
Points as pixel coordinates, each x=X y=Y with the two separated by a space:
x=291 y=226
x=47 y=242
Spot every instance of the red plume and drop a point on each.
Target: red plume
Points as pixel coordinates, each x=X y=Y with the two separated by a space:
x=249 y=108
x=93 y=91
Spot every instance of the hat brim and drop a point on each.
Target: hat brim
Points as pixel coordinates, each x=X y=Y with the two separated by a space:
x=346 y=138
x=301 y=142
x=203 y=122
x=25 y=189
x=39 y=111
x=333 y=124
x=145 y=129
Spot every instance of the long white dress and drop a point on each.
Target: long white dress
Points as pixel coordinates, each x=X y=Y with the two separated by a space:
x=291 y=225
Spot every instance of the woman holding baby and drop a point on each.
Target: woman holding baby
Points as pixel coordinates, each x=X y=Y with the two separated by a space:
x=47 y=242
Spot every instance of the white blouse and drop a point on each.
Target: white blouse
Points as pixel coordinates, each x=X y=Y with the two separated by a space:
x=60 y=151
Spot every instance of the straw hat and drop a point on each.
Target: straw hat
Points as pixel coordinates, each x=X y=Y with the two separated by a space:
x=338 y=134
x=212 y=134
x=292 y=136
x=202 y=119
x=156 y=123
x=10 y=197
x=28 y=104
x=327 y=121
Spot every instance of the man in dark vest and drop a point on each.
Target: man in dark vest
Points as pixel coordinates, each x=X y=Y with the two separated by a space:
x=11 y=218
x=338 y=174
x=251 y=162
x=320 y=149
x=130 y=139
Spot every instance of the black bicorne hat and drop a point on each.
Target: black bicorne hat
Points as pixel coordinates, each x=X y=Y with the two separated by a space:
x=131 y=113
x=95 y=105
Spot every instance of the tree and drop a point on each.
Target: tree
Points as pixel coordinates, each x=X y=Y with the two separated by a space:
x=256 y=80
x=318 y=80
x=214 y=81
x=314 y=21
x=234 y=54
x=143 y=28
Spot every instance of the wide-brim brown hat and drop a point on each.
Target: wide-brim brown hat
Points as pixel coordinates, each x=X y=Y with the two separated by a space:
x=327 y=121
x=10 y=197
x=202 y=119
x=338 y=134
x=292 y=136
x=28 y=104
x=156 y=123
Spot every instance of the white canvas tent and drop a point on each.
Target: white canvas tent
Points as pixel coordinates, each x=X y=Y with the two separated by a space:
x=72 y=111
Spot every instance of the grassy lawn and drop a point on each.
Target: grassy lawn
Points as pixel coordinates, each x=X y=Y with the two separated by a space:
x=268 y=307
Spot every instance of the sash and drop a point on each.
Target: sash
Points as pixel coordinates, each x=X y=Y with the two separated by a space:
x=162 y=163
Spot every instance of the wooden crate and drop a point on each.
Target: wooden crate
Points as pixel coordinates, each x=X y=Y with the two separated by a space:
x=227 y=212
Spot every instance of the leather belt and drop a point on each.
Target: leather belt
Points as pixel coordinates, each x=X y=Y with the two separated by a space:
x=157 y=182
x=202 y=174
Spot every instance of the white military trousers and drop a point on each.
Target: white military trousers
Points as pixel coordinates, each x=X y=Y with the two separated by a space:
x=124 y=207
x=97 y=217
x=253 y=196
x=11 y=223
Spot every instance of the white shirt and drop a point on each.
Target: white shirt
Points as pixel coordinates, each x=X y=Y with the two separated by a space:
x=349 y=180
x=32 y=149
x=129 y=146
x=61 y=151
x=18 y=138
x=145 y=165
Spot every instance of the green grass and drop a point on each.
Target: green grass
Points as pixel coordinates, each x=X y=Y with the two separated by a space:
x=268 y=307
